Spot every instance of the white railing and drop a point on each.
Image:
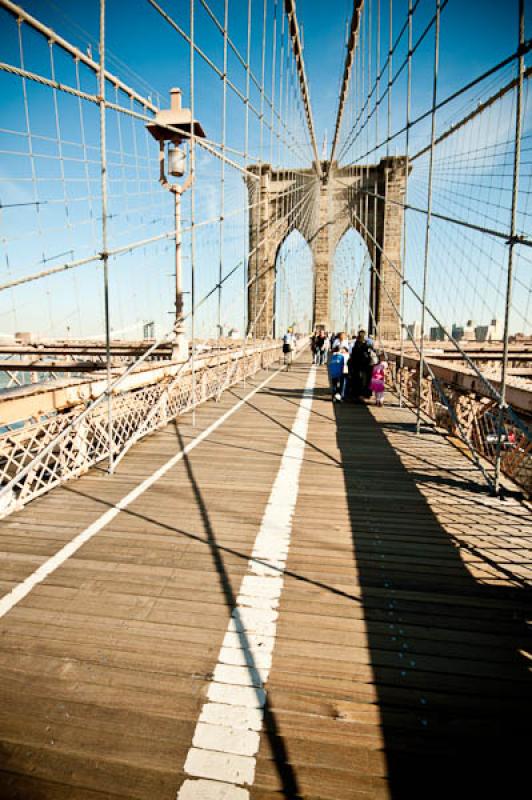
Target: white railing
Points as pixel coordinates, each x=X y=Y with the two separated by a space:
x=63 y=446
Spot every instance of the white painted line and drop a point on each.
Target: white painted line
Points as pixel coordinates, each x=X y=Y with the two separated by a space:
x=218 y=766
x=259 y=587
x=260 y=568
x=257 y=602
x=226 y=738
x=211 y=790
x=50 y=565
x=232 y=716
x=249 y=617
x=240 y=675
x=241 y=657
x=236 y=695
x=253 y=640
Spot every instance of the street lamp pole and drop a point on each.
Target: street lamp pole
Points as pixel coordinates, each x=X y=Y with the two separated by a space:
x=179 y=329
x=348 y=295
x=180 y=347
x=174 y=126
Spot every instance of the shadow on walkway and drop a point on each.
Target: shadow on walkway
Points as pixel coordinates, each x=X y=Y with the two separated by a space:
x=451 y=681
x=284 y=769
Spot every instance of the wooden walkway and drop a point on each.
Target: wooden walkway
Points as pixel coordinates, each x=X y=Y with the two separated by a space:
x=400 y=669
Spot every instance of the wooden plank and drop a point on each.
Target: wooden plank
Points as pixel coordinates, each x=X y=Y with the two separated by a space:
x=428 y=655
x=401 y=632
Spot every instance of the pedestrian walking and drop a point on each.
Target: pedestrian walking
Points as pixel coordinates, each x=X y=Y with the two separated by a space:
x=361 y=362
x=288 y=342
x=378 y=378
x=337 y=374
x=325 y=348
x=319 y=345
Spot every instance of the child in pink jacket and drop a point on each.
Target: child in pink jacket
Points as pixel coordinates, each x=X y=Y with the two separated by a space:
x=377 y=379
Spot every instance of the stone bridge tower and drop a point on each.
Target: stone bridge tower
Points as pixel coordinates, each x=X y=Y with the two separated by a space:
x=367 y=198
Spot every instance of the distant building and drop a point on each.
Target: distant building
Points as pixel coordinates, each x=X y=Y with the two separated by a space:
x=413 y=331
x=437 y=334
x=457 y=331
x=469 y=331
x=489 y=333
x=148 y=330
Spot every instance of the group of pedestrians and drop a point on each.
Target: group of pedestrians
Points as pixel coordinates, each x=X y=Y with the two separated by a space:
x=356 y=371
x=320 y=344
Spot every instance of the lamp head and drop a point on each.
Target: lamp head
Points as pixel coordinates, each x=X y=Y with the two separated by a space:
x=166 y=121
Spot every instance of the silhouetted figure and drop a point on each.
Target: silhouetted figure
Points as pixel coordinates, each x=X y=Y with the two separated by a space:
x=360 y=367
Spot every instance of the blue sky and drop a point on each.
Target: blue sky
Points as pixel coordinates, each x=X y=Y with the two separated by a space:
x=151 y=57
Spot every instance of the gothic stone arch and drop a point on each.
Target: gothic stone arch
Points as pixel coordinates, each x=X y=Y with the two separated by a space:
x=367 y=198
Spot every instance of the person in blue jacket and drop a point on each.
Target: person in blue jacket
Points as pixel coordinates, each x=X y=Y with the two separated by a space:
x=337 y=368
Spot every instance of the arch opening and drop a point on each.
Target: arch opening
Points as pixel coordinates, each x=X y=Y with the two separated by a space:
x=350 y=283
x=294 y=271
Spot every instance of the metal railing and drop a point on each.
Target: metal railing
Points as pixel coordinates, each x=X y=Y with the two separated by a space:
x=46 y=453
x=474 y=419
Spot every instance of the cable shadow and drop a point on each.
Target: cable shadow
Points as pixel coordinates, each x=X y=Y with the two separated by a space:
x=451 y=679
x=320 y=394
x=277 y=746
x=202 y=540
x=286 y=428
x=477 y=499
x=244 y=449
x=458 y=480
x=460 y=484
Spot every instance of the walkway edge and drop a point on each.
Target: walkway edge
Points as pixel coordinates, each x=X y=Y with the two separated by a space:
x=19 y=592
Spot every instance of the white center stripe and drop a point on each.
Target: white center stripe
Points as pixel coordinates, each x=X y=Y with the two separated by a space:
x=226 y=740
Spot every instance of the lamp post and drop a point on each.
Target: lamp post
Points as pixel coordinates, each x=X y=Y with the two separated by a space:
x=171 y=128
x=348 y=299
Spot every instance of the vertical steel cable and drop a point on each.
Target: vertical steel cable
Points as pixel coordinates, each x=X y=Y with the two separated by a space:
x=282 y=318
x=377 y=84
x=262 y=80
x=272 y=96
x=59 y=137
x=31 y=152
x=281 y=85
x=192 y=150
x=58 y=132
x=378 y=275
x=372 y=325
x=222 y=174
x=429 y=215
x=366 y=100
x=369 y=54
x=402 y=330
x=104 y=254
x=85 y=151
x=378 y=73
x=511 y=241
x=286 y=111
x=247 y=217
x=273 y=90
x=261 y=145
x=390 y=78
